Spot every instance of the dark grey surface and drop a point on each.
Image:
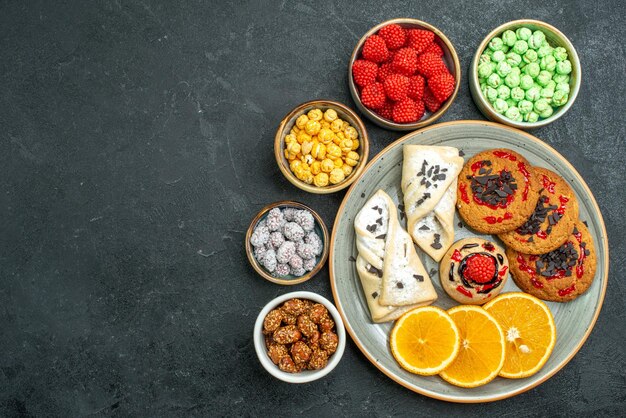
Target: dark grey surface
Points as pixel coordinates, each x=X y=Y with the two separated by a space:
x=136 y=145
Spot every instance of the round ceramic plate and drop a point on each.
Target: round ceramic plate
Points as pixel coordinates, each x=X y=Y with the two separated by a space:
x=574 y=320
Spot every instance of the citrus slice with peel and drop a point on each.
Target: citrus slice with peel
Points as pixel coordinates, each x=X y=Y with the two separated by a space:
x=424 y=340
x=529 y=332
x=481 y=353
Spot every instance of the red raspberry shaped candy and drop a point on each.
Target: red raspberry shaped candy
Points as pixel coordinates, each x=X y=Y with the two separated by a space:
x=373 y=96
x=375 y=49
x=419 y=39
x=442 y=86
x=479 y=268
x=434 y=48
x=416 y=87
x=430 y=101
x=407 y=111
x=430 y=64
x=393 y=35
x=384 y=71
x=405 y=61
x=387 y=110
x=396 y=86
x=364 y=72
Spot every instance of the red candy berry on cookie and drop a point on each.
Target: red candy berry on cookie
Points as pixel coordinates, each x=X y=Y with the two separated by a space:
x=479 y=268
x=375 y=49
x=416 y=87
x=430 y=101
x=373 y=96
x=407 y=111
x=419 y=39
x=396 y=86
x=394 y=36
x=405 y=61
x=430 y=64
x=442 y=86
x=364 y=72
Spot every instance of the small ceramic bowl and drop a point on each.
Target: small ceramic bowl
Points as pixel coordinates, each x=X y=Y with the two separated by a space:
x=320 y=229
x=344 y=113
x=305 y=375
x=450 y=58
x=556 y=39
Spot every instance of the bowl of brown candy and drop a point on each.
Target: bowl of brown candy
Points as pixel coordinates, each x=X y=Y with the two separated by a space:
x=299 y=337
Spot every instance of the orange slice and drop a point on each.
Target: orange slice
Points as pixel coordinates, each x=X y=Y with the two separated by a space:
x=529 y=332
x=424 y=340
x=481 y=354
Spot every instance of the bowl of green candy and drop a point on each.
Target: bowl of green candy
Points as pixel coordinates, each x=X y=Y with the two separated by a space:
x=525 y=74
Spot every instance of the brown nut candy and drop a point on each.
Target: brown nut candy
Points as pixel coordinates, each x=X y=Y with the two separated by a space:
x=287 y=335
x=319 y=360
x=286 y=364
x=289 y=319
x=276 y=352
x=306 y=326
x=300 y=352
x=317 y=312
x=272 y=321
x=326 y=324
x=314 y=340
x=294 y=307
x=329 y=341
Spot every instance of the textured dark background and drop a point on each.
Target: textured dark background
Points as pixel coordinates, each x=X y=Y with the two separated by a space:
x=135 y=147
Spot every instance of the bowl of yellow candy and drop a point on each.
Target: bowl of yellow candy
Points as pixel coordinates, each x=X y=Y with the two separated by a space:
x=321 y=146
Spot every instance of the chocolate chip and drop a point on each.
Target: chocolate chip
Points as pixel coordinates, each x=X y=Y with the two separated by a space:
x=379 y=221
x=362 y=195
x=381 y=236
x=400 y=285
x=418 y=277
x=375 y=295
x=461 y=153
x=436 y=245
x=424 y=228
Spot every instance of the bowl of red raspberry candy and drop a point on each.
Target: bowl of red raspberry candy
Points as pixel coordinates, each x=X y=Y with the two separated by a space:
x=404 y=74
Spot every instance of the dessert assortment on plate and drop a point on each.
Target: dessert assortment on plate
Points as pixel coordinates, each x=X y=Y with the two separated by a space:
x=549 y=253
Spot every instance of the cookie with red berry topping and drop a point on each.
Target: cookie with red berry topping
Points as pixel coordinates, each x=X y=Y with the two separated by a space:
x=497 y=191
x=473 y=271
x=560 y=275
x=552 y=221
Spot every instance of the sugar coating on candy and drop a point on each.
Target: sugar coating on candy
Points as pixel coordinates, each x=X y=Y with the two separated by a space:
x=305 y=219
x=276 y=239
x=293 y=231
x=269 y=261
x=295 y=261
x=282 y=269
x=309 y=264
x=306 y=251
x=289 y=214
x=259 y=252
x=260 y=236
x=314 y=239
x=297 y=271
x=285 y=252
x=275 y=219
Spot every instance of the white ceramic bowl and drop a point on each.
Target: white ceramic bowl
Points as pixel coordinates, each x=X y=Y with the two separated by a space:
x=306 y=375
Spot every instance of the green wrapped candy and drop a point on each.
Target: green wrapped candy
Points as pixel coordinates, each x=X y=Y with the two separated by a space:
x=547 y=63
x=544 y=78
x=541 y=105
x=513 y=59
x=512 y=113
x=526 y=82
x=525 y=107
x=559 y=53
x=561 y=78
x=505 y=48
x=532 y=69
x=496 y=44
x=530 y=56
x=520 y=47
x=485 y=70
x=483 y=88
x=512 y=80
x=488 y=52
x=510 y=102
x=564 y=87
x=559 y=98
x=498 y=56
x=544 y=51
x=484 y=58
x=551 y=85
x=536 y=40
x=509 y=37
x=533 y=94
x=523 y=33
x=563 y=67
x=500 y=106
x=531 y=117
x=503 y=68
x=517 y=94
x=516 y=71
x=504 y=92
x=492 y=94
x=547 y=93
x=547 y=113
x=494 y=80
